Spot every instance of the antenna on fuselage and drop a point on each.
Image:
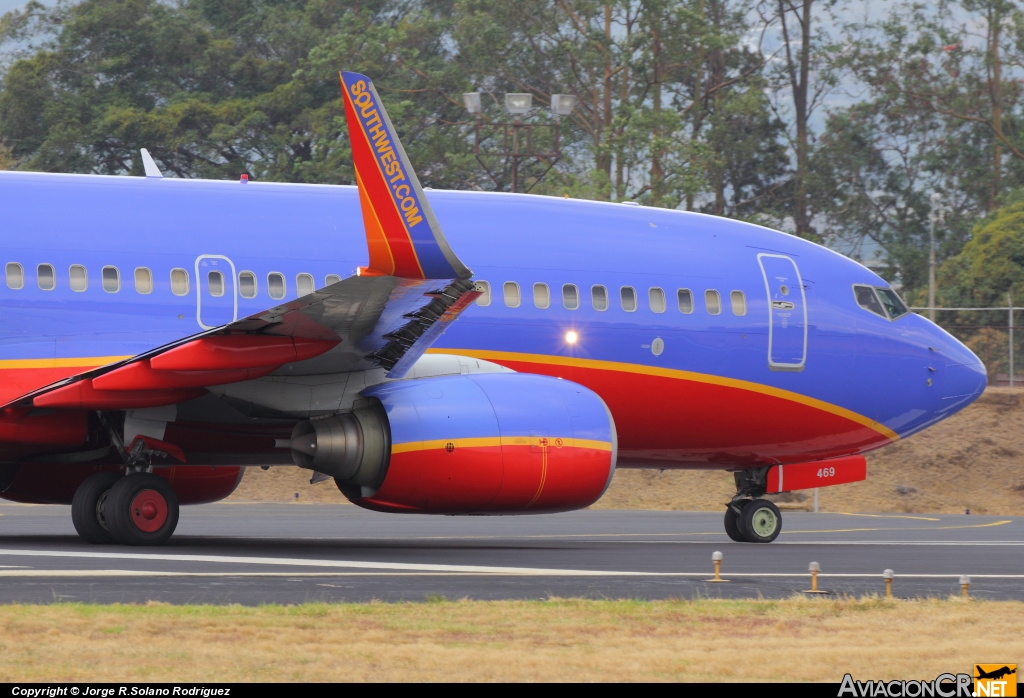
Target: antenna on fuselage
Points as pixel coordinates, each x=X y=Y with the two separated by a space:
x=151 y=169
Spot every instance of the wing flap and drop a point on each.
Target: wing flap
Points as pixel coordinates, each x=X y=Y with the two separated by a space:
x=239 y=351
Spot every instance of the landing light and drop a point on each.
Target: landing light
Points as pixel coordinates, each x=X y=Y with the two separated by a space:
x=571 y=337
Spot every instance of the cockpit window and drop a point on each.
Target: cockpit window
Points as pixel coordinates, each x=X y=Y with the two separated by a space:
x=880 y=301
x=893 y=305
x=867 y=299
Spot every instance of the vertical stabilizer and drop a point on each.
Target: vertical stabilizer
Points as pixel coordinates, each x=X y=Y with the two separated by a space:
x=402 y=234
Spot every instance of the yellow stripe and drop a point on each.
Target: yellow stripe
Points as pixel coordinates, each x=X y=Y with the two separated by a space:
x=490 y=441
x=500 y=356
x=85 y=362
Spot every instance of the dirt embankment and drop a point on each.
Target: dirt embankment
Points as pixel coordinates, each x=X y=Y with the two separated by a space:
x=973 y=460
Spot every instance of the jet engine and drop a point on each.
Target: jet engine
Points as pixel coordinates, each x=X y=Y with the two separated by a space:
x=501 y=443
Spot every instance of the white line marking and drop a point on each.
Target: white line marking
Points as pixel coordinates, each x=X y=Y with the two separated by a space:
x=389 y=567
x=343 y=564
x=537 y=573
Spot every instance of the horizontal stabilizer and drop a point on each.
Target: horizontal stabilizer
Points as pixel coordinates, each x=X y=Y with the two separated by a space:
x=402 y=234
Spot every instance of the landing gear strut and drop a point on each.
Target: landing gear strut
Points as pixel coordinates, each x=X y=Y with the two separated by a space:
x=748 y=518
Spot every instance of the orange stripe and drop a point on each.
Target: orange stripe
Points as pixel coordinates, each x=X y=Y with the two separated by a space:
x=490 y=441
x=501 y=356
x=376 y=241
x=84 y=362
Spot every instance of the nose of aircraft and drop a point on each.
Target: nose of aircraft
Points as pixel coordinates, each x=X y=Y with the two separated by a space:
x=965 y=375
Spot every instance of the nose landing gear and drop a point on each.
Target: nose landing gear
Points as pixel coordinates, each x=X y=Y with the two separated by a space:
x=748 y=518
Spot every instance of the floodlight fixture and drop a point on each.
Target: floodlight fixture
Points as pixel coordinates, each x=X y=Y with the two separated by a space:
x=518 y=102
x=562 y=105
x=472 y=102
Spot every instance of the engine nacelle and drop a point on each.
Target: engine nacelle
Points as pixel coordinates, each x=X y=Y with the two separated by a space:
x=500 y=443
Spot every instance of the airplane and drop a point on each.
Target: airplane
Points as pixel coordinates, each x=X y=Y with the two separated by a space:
x=160 y=335
x=995 y=674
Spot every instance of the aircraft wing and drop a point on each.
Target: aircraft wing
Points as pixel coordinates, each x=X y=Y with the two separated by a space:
x=386 y=316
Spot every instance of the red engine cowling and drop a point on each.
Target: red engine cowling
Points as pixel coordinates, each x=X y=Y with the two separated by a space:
x=55 y=483
x=503 y=443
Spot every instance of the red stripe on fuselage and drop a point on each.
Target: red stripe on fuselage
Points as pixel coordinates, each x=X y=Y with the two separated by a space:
x=674 y=422
x=15 y=382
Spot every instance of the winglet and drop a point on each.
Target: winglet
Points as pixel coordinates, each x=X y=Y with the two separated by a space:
x=151 y=169
x=403 y=236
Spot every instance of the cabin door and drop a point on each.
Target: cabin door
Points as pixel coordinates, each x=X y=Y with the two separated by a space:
x=216 y=292
x=787 y=312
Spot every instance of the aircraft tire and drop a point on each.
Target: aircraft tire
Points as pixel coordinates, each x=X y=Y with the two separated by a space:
x=732 y=521
x=141 y=509
x=761 y=521
x=87 y=508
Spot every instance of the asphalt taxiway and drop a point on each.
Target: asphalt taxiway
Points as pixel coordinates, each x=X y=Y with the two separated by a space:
x=292 y=553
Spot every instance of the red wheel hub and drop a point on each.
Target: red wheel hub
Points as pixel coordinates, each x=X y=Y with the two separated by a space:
x=149 y=511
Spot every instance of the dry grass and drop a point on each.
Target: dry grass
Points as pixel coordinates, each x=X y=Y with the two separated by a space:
x=795 y=639
x=973 y=460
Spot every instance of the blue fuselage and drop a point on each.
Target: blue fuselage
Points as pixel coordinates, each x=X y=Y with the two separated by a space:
x=815 y=346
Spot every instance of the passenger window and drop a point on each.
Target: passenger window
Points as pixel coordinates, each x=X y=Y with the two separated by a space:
x=78 y=277
x=511 y=291
x=45 y=277
x=656 y=296
x=304 y=284
x=15 y=276
x=247 y=284
x=541 y=296
x=111 y=279
x=627 y=296
x=570 y=297
x=484 y=299
x=215 y=283
x=867 y=299
x=599 y=297
x=179 y=282
x=276 y=285
x=143 y=280
x=331 y=279
x=685 y=300
x=713 y=302
x=739 y=303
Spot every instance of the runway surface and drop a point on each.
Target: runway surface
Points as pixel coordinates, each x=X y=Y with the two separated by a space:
x=293 y=553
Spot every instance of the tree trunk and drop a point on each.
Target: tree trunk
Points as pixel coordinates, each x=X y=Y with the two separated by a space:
x=996 y=94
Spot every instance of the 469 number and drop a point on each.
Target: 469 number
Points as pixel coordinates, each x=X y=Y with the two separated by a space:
x=826 y=472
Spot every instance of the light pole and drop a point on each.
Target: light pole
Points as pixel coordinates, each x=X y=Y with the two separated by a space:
x=931 y=256
x=517 y=137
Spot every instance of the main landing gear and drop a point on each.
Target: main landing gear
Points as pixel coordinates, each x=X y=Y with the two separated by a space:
x=748 y=518
x=135 y=509
x=138 y=508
